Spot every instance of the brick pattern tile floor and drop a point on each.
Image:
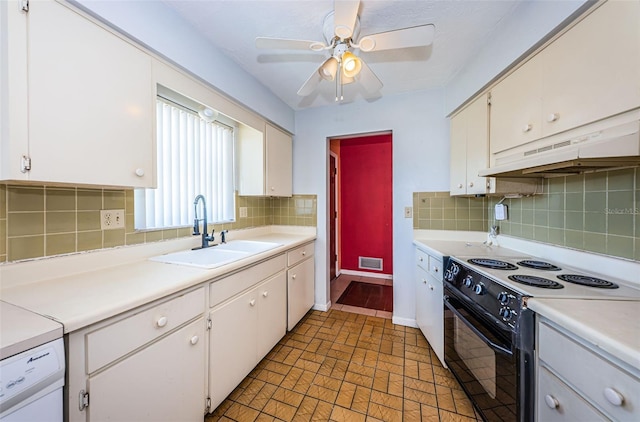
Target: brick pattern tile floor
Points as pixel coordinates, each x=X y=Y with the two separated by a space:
x=340 y=366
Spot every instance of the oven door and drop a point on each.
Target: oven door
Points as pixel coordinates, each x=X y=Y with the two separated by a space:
x=483 y=360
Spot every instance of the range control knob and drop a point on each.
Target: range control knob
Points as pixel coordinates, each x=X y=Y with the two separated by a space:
x=505 y=313
x=455 y=269
x=479 y=289
x=468 y=281
x=503 y=297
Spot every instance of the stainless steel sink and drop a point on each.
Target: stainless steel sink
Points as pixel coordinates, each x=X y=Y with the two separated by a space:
x=216 y=256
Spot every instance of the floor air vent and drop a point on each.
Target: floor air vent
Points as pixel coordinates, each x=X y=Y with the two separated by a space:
x=370 y=263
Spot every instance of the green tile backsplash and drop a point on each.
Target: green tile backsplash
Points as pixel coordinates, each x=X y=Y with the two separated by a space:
x=595 y=212
x=38 y=221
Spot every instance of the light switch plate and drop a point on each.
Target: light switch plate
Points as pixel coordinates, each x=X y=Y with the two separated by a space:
x=243 y=212
x=408 y=212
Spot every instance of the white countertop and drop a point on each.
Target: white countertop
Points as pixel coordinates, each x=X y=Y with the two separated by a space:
x=82 y=289
x=23 y=330
x=612 y=326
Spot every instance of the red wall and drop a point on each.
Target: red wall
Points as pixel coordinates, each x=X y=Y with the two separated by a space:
x=366 y=201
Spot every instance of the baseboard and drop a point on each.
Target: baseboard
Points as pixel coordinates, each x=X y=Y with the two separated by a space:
x=366 y=274
x=407 y=322
x=321 y=307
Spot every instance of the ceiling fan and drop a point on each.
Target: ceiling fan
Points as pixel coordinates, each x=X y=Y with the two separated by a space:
x=341 y=30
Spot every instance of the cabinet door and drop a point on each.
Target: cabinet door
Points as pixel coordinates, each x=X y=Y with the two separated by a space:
x=477 y=145
x=233 y=345
x=300 y=291
x=458 y=160
x=272 y=313
x=90 y=102
x=162 y=382
x=557 y=402
x=592 y=71
x=278 y=162
x=435 y=317
x=516 y=108
x=422 y=300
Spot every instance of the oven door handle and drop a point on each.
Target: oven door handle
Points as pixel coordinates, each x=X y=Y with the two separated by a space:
x=492 y=345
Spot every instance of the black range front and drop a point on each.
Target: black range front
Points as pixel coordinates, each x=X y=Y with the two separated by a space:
x=489 y=340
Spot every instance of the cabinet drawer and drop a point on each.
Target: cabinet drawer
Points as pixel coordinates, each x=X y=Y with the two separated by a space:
x=422 y=259
x=225 y=288
x=570 y=359
x=569 y=406
x=299 y=253
x=116 y=340
x=435 y=267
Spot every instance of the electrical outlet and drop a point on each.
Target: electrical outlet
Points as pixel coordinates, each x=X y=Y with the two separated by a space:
x=111 y=219
x=408 y=212
x=243 y=212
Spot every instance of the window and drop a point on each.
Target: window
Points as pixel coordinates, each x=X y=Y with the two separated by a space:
x=194 y=156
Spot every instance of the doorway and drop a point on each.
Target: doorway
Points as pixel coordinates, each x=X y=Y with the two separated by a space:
x=360 y=223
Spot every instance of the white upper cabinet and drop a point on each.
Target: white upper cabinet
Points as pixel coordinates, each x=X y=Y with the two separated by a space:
x=469 y=149
x=265 y=162
x=90 y=101
x=588 y=73
x=593 y=70
x=516 y=107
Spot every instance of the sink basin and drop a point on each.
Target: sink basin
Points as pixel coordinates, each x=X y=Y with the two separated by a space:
x=216 y=256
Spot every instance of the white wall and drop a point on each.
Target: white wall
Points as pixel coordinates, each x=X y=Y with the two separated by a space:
x=420 y=163
x=514 y=35
x=161 y=29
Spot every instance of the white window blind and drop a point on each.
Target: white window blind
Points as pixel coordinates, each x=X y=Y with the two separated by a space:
x=193 y=157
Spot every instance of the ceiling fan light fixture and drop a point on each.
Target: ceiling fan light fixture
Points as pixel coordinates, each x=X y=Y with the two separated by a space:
x=329 y=69
x=351 y=64
x=366 y=44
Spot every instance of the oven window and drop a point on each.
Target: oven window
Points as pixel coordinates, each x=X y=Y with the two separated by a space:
x=479 y=358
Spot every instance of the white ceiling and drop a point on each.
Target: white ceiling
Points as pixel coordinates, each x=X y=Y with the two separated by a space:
x=461 y=28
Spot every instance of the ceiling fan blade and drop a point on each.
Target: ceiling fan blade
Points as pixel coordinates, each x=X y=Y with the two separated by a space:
x=369 y=80
x=287 y=44
x=416 y=36
x=345 y=15
x=310 y=85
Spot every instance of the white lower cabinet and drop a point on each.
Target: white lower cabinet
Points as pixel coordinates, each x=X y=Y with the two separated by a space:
x=300 y=283
x=162 y=382
x=243 y=331
x=429 y=305
x=146 y=365
x=578 y=382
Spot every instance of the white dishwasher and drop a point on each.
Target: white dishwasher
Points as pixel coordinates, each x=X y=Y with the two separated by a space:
x=32 y=366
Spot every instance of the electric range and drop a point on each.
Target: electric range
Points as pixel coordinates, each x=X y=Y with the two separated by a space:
x=490 y=332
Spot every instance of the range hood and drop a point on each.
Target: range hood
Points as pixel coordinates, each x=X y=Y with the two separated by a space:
x=609 y=143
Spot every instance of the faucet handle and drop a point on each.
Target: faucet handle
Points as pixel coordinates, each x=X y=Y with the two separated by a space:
x=223 y=234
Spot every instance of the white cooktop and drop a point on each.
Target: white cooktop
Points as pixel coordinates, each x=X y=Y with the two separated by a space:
x=23 y=330
x=625 y=291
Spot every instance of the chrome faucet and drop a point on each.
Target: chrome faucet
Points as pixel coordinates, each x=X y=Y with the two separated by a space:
x=196 y=229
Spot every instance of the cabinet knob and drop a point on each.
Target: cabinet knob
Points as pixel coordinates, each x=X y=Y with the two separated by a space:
x=161 y=322
x=435 y=269
x=304 y=253
x=553 y=117
x=421 y=259
x=430 y=287
x=460 y=185
x=470 y=184
x=551 y=401
x=253 y=302
x=273 y=188
x=194 y=340
x=139 y=172
x=424 y=281
x=293 y=276
x=527 y=128
x=613 y=396
x=265 y=294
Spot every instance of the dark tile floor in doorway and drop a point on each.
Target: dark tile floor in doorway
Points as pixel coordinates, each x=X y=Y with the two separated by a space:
x=340 y=366
x=338 y=286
